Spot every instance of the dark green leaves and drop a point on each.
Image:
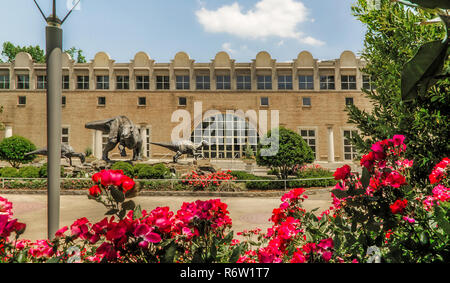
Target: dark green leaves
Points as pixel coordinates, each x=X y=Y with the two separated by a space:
x=117 y=195
x=418 y=74
x=430 y=4
x=365 y=178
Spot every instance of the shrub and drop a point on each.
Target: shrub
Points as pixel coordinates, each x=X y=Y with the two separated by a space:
x=13 y=150
x=315 y=171
x=29 y=172
x=138 y=166
x=286 y=150
x=126 y=167
x=158 y=171
x=9 y=172
x=43 y=171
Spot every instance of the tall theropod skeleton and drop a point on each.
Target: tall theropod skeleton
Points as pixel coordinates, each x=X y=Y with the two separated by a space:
x=67 y=152
x=121 y=131
x=183 y=147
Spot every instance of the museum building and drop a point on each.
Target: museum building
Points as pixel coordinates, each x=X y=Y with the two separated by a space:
x=305 y=95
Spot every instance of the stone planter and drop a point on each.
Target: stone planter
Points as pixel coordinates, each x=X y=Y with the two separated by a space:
x=250 y=165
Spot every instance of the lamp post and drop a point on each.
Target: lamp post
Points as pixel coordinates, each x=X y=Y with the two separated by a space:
x=53 y=35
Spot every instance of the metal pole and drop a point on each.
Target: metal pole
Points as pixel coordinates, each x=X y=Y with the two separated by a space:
x=54 y=78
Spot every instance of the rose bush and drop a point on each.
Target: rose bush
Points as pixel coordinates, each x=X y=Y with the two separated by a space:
x=376 y=216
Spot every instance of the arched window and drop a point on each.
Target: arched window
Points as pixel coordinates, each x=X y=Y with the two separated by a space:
x=228 y=136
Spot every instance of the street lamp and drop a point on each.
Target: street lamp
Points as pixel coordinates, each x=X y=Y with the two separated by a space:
x=53 y=34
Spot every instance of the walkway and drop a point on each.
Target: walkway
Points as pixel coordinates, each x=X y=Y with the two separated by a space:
x=246 y=213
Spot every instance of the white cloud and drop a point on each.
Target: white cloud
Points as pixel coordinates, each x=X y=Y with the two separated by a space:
x=227 y=47
x=278 y=18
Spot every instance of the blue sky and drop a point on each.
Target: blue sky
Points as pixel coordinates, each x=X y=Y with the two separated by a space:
x=199 y=27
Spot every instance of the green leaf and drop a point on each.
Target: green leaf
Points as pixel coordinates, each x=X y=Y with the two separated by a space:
x=365 y=178
x=122 y=213
x=423 y=238
x=235 y=254
x=137 y=212
x=53 y=260
x=418 y=73
x=227 y=238
x=128 y=205
x=117 y=195
x=170 y=253
x=339 y=193
x=112 y=211
x=431 y=4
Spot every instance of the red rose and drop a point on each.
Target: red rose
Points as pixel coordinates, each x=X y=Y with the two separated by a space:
x=96 y=177
x=95 y=191
x=127 y=183
x=342 y=173
x=395 y=179
x=398 y=207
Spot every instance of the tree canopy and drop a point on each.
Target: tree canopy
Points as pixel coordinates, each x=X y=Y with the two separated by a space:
x=393 y=37
x=10 y=51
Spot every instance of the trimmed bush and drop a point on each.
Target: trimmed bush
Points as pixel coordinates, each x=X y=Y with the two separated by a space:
x=314 y=172
x=13 y=150
x=126 y=167
x=158 y=171
x=9 y=172
x=29 y=172
x=138 y=166
x=43 y=171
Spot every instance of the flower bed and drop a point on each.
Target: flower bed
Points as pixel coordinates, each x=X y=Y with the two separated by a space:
x=375 y=217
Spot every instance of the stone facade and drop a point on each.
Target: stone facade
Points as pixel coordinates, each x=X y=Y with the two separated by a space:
x=149 y=93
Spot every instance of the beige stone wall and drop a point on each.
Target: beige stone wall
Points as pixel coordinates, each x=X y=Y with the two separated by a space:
x=81 y=105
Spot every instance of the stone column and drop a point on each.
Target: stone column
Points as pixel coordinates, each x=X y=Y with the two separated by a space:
x=8 y=131
x=144 y=140
x=330 y=144
x=98 y=144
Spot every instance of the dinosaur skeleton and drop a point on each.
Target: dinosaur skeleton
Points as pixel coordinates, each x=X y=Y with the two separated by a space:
x=121 y=131
x=67 y=152
x=183 y=147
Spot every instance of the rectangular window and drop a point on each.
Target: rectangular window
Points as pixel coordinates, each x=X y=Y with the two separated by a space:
x=306 y=101
x=327 y=82
x=142 y=82
x=162 y=82
x=22 y=100
x=63 y=100
x=4 y=82
x=349 y=101
x=182 y=82
x=41 y=82
x=101 y=101
x=23 y=82
x=65 y=82
x=264 y=82
x=223 y=82
x=65 y=136
x=182 y=101
x=284 y=82
x=202 y=82
x=123 y=82
x=264 y=101
x=243 y=82
x=102 y=82
x=348 y=82
x=310 y=137
x=142 y=101
x=82 y=82
x=305 y=82
x=368 y=83
x=349 y=150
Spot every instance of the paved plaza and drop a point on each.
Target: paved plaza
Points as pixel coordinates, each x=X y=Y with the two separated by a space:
x=245 y=212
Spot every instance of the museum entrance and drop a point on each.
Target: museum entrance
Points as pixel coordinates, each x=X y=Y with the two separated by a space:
x=228 y=136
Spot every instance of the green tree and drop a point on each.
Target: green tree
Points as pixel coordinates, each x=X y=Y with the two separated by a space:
x=292 y=151
x=392 y=38
x=10 y=51
x=76 y=54
x=13 y=151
